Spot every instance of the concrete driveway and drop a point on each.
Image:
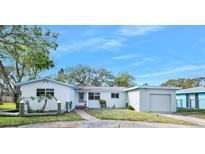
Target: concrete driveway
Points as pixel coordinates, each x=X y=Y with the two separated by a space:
x=197 y=121
x=92 y=122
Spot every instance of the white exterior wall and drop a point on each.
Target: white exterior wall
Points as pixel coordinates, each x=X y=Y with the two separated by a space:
x=140 y=98
x=110 y=102
x=145 y=95
x=61 y=92
x=133 y=98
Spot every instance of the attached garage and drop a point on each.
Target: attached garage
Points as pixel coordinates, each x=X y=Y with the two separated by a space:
x=160 y=103
x=152 y=99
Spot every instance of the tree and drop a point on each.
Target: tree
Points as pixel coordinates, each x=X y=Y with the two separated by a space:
x=61 y=76
x=24 y=53
x=102 y=77
x=125 y=80
x=86 y=76
x=79 y=75
x=185 y=83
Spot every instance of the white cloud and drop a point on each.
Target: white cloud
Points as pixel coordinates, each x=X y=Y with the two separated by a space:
x=141 y=61
x=133 y=65
x=138 y=30
x=138 y=63
x=92 y=44
x=110 y=43
x=175 y=70
x=123 y=57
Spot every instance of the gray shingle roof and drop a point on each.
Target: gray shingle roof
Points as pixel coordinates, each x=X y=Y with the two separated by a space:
x=191 y=90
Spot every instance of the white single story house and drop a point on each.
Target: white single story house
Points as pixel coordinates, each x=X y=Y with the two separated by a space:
x=142 y=98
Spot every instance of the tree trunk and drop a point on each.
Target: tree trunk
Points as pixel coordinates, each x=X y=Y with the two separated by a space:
x=1 y=94
x=44 y=106
x=16 y=97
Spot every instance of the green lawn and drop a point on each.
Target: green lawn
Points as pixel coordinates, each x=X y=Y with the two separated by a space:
x=8 y=106
x=192 y=113
x=17 y=121
x=125 y=114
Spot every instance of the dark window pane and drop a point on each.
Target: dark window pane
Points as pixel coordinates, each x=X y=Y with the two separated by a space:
x=40 y=92
x=50 y=92
x=91 y=96
x=97 y=96
x=114 y=95
x=117 y=95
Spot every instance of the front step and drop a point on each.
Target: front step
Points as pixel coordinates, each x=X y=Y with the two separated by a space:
x=80 y=107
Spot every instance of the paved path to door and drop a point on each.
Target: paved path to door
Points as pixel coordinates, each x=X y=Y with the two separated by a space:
x=200 y=122
x=92 y=122
x=86 y=116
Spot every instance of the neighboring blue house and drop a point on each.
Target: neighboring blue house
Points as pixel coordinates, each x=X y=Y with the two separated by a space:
x=191 y=98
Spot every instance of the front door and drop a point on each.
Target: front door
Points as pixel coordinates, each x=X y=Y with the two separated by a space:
x=192 y=101
x=81 y=97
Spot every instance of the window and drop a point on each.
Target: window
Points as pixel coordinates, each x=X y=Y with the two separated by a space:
x=91 y=96
x=114 y=95
x=94 y=96
x=45 y=92
x=97 y=96
x=40 y=92
x=50 y=92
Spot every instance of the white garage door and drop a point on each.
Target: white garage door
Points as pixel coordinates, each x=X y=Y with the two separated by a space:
x=160 y=103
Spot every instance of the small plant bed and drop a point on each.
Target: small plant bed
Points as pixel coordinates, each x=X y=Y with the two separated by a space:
x=125 y=114
x=17 y=121
x=7 y=106
x=197 y=113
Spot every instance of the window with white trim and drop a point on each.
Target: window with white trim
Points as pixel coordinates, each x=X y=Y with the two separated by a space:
x=115 y=95
x=94 y=96
x=45 y=92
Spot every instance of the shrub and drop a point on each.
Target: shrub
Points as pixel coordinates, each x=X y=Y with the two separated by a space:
x=102 y=103
x=189 y=110
x=130 y=107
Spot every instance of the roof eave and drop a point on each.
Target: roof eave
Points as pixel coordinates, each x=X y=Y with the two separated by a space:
x=152 y=87
x=41 y=79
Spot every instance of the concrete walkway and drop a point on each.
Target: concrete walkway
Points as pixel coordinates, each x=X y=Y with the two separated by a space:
x=92 y=122
x=86 y=116
x=200 y=122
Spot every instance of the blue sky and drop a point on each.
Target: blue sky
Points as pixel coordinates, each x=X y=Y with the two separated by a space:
x=152 y=54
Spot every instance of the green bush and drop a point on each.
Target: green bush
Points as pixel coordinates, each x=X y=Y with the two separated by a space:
x=130 y=107
x=189 y=110
x=102 y=103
